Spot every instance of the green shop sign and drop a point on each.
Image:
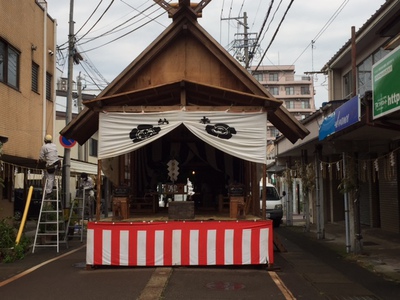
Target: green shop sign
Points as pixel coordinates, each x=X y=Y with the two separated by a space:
x=386 y=84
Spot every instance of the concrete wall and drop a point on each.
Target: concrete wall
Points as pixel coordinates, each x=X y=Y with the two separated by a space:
x=21 y=115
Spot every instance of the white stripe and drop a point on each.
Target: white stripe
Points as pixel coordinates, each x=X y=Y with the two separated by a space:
x=228 y=246
x=194 y=248
x=90 y=247
x=124 y=248
x=264 y=254
x=141 y=248
x=159 y=248
x=211 y=247
x=106 y=257
x=246 y=247
x=176 y=247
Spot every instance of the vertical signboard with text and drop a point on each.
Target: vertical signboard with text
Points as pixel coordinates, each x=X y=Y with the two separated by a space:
x=386 y=84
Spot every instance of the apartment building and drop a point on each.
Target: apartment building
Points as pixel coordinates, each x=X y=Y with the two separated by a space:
x=27 y=93
x=296 y=92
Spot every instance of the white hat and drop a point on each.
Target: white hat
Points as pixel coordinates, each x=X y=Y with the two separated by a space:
x=48 y=138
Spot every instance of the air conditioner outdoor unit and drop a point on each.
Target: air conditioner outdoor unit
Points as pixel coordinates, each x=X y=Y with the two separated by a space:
x=63 y=84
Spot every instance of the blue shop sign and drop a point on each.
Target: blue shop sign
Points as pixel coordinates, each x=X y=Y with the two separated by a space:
x=345 y=115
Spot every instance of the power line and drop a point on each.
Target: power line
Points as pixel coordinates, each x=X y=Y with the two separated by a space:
x=323 y=29
x=273 y=37
x=272 y=19
x=61 y=57
x=94 y=25
x=91 y=15
x=331 y=19
x=261 y=30
x=93 y=68
x=114 y=29
x=94 y=82
x=120 y=37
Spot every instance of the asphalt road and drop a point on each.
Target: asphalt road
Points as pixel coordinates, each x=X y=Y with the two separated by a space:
x=306 y=271
x=68 y=278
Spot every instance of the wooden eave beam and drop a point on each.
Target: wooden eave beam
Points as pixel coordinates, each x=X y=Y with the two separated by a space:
x=183 y=91
x=148 y=109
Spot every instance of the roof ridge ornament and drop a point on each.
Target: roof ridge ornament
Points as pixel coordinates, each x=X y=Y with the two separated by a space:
x=174 y=8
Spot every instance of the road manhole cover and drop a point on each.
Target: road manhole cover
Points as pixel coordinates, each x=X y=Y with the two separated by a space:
x=224 y=285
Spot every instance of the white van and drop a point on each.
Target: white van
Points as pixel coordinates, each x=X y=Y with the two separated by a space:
x=274 y=207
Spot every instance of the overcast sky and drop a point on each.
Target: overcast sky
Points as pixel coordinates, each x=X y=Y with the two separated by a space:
x=113 y=38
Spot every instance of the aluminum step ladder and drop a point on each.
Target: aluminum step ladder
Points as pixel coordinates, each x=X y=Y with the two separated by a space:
x=51 y=228
x=78 y=216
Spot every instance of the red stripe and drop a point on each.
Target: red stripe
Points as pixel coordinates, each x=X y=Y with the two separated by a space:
x=203 y=246
x=185 y=240
x=167 y=247
x=237 y=246
x=133 y=245
x=98 y=247
x=255 y=246
x=150 y=246
x=115 y=247
x=220 y=246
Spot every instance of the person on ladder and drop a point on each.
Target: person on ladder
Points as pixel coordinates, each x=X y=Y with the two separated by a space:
x=49 y=155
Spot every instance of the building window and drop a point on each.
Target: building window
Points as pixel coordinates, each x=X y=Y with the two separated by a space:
x=378 y=55
x=273 y=77
x=289 y=104
x=274 y=90
x=93 y=147
x=35 y=77
x=305 y=104
x=305 y=90
x=347 y=85
x=289 y=90
x=364 y=76
x=48 y=86
x=259 y=76
x=9 y=65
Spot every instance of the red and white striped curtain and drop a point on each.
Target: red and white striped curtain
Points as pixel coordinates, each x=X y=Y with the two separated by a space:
x=186 y=243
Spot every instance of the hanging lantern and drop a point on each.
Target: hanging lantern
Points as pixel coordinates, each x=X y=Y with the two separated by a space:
x=376 y=165
x=391 y=157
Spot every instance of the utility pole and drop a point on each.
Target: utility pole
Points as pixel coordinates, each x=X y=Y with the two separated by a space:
x=79 y=102
x=244 y=43
x=319 y=194
x=68 y=117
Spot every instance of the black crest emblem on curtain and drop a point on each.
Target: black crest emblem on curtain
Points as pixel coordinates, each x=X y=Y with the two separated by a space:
x=142 y=132
x=221 y=130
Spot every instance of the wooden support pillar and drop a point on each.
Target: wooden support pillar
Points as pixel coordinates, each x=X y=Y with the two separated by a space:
x=98 y=184
x=254 y=189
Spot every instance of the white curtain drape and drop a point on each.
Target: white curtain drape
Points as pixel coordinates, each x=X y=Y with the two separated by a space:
x=242 y=135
